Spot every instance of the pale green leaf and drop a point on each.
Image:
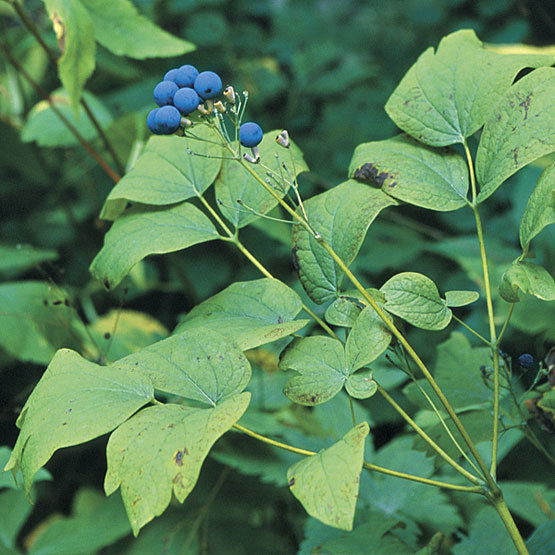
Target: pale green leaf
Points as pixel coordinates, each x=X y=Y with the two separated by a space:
x=415 y=298
x=15 y=259
x=461 y=298
x=200 y=364
x=540 y=210
x=342 y=216
x=447 y=96
x=47 y=129
x=120 y=28
x=75 y=33
x=344 y=310
x=433 y=178
x=35 y=320
x=520 y=130
x=235 y=183
x=161 y=450
x=143 y=231
x=529 y=278
x=327 y=483
x=82 y=400
x=320 y=362
x=368 y=339
x=361 y=385
x=250 y=313
x=165 y=173
x=133 y=331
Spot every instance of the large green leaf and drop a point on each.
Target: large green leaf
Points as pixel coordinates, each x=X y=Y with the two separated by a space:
x=250 y=313
x=540 y=209
x=415 y=298
x=542 y=541
x=82 y=400
x=461 y=298
x=447 y=96
x=75 y=32
x=14 y=510
x=235 y=183
x=412 y=172
x=143 y=231
x=165 y=173
x=342 y=216
x=520 y=130
x=118 y=26
x=160 y=450
x=201 y=365
x=327 y=483
x=47 y=129
x=529 y=278
x=15 y=259
x=36 y=319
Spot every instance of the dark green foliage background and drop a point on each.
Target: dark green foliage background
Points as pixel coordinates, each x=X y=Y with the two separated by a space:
x=323 y=70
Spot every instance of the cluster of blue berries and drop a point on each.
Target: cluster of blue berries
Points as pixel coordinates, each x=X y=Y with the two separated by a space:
x=185 y=90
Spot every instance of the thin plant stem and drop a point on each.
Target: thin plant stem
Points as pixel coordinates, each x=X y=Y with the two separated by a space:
x=88 y=147
x=480 y=337
x=351 y=404
x=491 y=320
x=506 y=323
x=367 y=466
x=503 y=511
x=389 y=323
x=449 y=460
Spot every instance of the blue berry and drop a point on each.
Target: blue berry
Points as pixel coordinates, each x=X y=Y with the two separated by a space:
x=150 y=121
x=171 y=75
x=186 y=100
x=186 y=76
x=250 y=134
x=208 y=84
x=526 y=361
x=163 y=93
x=167 y=120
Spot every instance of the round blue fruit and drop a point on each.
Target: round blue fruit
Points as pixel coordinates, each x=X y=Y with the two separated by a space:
x=526 y=361
x=150 y=123
x=167 y=120
x=163 y=93
x=208 y=85
x=250 y=134
x=186 y=100
x=186 y=75
x=171 y=75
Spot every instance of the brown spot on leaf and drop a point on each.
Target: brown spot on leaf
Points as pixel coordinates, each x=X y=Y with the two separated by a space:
x=515 y=155
x=526 y=104
x=178 y=458
x=295 y=259
x=107 y=335
x=60 y=30
x=291 y=482
x=106 y=284
x=370 y=173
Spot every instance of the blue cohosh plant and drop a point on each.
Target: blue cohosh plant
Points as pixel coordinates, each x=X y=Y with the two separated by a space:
x=167 y=404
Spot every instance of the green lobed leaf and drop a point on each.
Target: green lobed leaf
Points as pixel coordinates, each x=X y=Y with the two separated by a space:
x=118 y=27
x=529 y=278
x=461 y=298
x=521 y=129
x=540 y=209
x=368 y=339
x=142 y=231
x=361 y=385
x=327 y=483
x=249 y=313
x=342 y=216
x=82 y=400
x=75 y=34
x=200 y=365
x=448 y=95
x=165 y=173
x=436 y=179
x=344 y=310
x=47 y=129
x=35 y=320
x=415 y=298
x=15 y=259
x=160 y=450
x=235 y=183
x=320 y=362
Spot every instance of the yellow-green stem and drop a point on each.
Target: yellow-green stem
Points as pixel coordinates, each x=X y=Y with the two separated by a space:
x=367 y=466
x=505 y=324
x=480 y=337
x=351 y=404
x=388 y=322
x=503 y=511
x=491 y=320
